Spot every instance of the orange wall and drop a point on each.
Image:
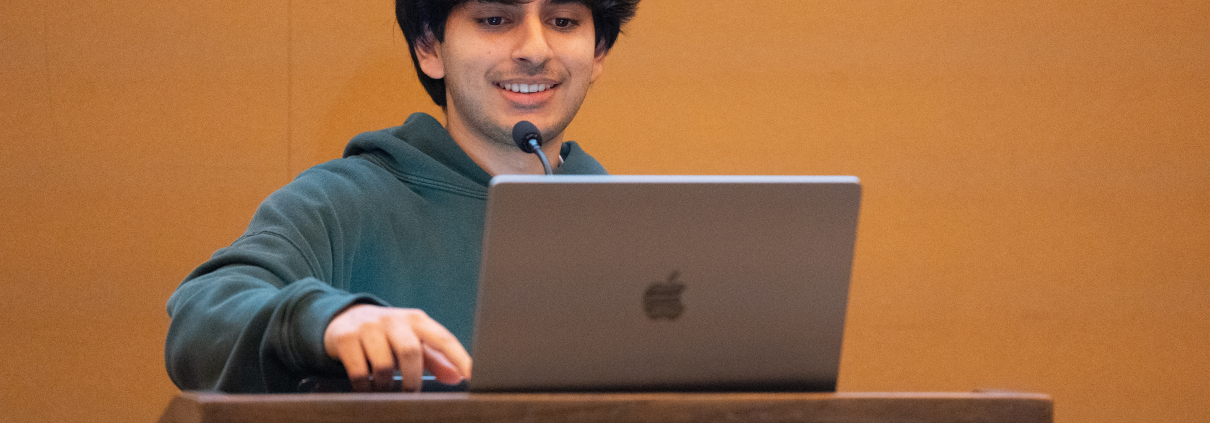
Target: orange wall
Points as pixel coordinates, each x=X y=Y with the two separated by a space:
x=1037 y=173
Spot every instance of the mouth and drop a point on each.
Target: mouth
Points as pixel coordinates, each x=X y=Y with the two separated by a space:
x=526 y=88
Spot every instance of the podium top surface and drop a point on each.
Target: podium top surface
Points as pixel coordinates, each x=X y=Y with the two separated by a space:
x=612 y=407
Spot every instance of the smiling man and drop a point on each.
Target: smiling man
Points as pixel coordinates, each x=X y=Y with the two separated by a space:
x=503 y=63
x=367 y=266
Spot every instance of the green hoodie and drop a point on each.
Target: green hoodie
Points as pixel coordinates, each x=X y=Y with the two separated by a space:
x=398 y=221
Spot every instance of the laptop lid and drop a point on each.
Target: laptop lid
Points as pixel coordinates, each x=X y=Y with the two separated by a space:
x=619 y=283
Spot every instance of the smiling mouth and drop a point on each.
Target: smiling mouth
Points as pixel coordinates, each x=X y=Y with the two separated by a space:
x=526 y=88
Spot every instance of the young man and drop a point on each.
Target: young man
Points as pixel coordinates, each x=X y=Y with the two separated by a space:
x=335 y=269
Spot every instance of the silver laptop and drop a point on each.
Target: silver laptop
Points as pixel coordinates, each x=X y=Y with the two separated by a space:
x=682 y=283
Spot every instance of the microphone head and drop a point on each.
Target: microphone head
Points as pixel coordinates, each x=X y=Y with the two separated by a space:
x=523 y=132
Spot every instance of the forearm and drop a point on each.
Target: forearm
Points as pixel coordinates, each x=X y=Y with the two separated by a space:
x=251 y=318
x=232 y=333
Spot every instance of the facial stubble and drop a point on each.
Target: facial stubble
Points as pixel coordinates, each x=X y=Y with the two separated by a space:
x=477 y=115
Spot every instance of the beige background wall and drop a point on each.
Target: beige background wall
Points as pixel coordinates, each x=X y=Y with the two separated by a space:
x=1037 y=173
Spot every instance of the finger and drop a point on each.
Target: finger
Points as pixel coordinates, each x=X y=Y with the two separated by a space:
x=440 y=339
x=382 y=359
x=441 y=368
x=351 y=355
x=409 y=357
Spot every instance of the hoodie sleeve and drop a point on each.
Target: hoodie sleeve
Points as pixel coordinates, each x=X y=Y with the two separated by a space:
x=252 y=318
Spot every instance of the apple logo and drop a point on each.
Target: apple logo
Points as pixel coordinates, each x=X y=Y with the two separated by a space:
x=662 y=300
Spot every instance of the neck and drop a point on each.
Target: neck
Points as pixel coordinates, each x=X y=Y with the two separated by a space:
x=497 y=158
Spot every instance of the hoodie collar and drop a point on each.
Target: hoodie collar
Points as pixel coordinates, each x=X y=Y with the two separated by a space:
x=422 y=148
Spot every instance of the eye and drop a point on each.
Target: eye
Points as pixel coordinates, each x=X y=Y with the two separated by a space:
x=564 y=23
x=492 y=21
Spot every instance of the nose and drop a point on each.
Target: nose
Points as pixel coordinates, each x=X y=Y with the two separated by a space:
x=532 y=50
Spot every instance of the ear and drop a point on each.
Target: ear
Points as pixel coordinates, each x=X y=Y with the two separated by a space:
x=428 y=56
x=598 y=60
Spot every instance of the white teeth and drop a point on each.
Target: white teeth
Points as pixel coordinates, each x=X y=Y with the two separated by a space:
x=525 y=88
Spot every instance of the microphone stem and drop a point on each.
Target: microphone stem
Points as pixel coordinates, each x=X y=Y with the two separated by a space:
x=541 y=156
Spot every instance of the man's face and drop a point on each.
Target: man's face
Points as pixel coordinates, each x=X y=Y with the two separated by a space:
x=506 y=63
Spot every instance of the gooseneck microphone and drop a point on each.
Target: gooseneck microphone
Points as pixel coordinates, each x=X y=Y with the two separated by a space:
x=529 y=140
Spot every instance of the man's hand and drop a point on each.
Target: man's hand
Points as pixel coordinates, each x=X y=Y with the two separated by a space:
x=372 y=340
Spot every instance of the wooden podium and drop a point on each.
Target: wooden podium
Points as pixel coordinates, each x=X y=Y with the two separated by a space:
x=207 y=407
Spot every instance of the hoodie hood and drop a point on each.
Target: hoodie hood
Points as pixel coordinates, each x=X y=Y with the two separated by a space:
x=421 y=151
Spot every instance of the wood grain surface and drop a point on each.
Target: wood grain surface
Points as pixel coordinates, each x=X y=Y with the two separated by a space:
x=196 y=407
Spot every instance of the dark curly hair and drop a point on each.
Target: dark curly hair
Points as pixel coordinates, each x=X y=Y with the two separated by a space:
x=417 y=17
